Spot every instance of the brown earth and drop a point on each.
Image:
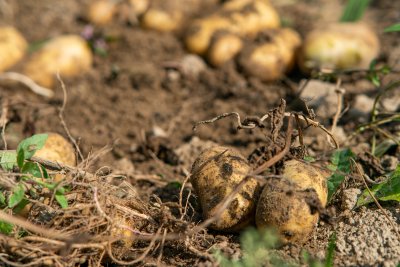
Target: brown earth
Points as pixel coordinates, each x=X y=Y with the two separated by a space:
x=138 y=99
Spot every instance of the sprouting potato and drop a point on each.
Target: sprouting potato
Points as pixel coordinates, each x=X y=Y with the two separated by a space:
x=339 y=46
x=57 y=149
x=215 y=174
x=281 y=206
x=242 y=17
x=12 y=47
x=101 y=12
x=69 y=55
x=224 y=47
x=273 y=57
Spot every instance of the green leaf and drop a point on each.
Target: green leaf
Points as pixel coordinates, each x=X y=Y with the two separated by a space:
x=340 y=164
x=6 y=228
x=62 y=200
x=386 y=191
x=16 y=196
x=20 y=158
x=393 y=28
x=354 y=10
x=8 y=160
x=309 y=159
x=2 y=198
x=35 y=169
x=330 y=252
x=21 y=205
x=29 y=146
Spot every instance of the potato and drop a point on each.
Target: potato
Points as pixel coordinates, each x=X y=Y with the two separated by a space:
x=57 y=149
x=164 y=16
x=242 y=17
x=12 y=47
x=224 y=47
x=101 y=12
x=251 y=16
x=274 y=57
x=69 y=55
x=281 y=207
x=121 y=232
x=307 y=176
x=215 y=174
x=139 y=6
x=200 y=32
x=339 y=46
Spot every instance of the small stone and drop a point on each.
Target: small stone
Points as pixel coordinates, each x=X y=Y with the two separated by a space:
x=389 y=163
x=192 y=65
x=363 y=104
x=349 y=198
x=321 y=96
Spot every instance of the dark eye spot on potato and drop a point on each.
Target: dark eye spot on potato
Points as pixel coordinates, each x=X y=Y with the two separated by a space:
x=226 y=170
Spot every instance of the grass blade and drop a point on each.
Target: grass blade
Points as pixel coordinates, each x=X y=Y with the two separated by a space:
x=354 y=10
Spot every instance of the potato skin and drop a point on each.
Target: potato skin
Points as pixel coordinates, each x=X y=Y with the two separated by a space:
x=69 y=55
x=101 y=12
x=271 y=59
x=223 y=48
x=281 y=207
x=306 y=176
x=57 y=149
x=244 y=18
x=12 y=47
x=215 y=174
x=339 y=46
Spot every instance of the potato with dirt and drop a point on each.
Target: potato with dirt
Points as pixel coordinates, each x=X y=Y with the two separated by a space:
x=242 y=17
x=224 y=47
x=68 y=55
x=12 y=47
x=57 y=149
x=291 y=203
x=272 y=56
x=101 y=12
x=216 y=173
x=339 y=46
x=171 y=15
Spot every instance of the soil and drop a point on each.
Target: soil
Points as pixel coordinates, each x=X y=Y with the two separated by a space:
x=142 y=101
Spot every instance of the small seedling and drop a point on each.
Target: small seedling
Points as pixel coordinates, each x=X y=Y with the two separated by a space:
x=340 y=165
x=32 y=174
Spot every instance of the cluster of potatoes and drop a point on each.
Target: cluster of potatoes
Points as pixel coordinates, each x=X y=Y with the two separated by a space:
x=249 y=32
x=283 y=202
x=246 y=31
x=67 y=55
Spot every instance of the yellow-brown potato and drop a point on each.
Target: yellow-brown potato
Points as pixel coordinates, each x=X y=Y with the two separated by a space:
x=200 y=32
x=251 y=16
x=57 y=149
x=12 y=47
x=272 y=58
x=69 y=55
x=122 y=232
x=281 y=206
x=139 y=6
x=215 y=174
x=224 y=47
x=307 y=176
x=242 y=17
x=164 y=16
x=101 y=12
x=339 y=46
